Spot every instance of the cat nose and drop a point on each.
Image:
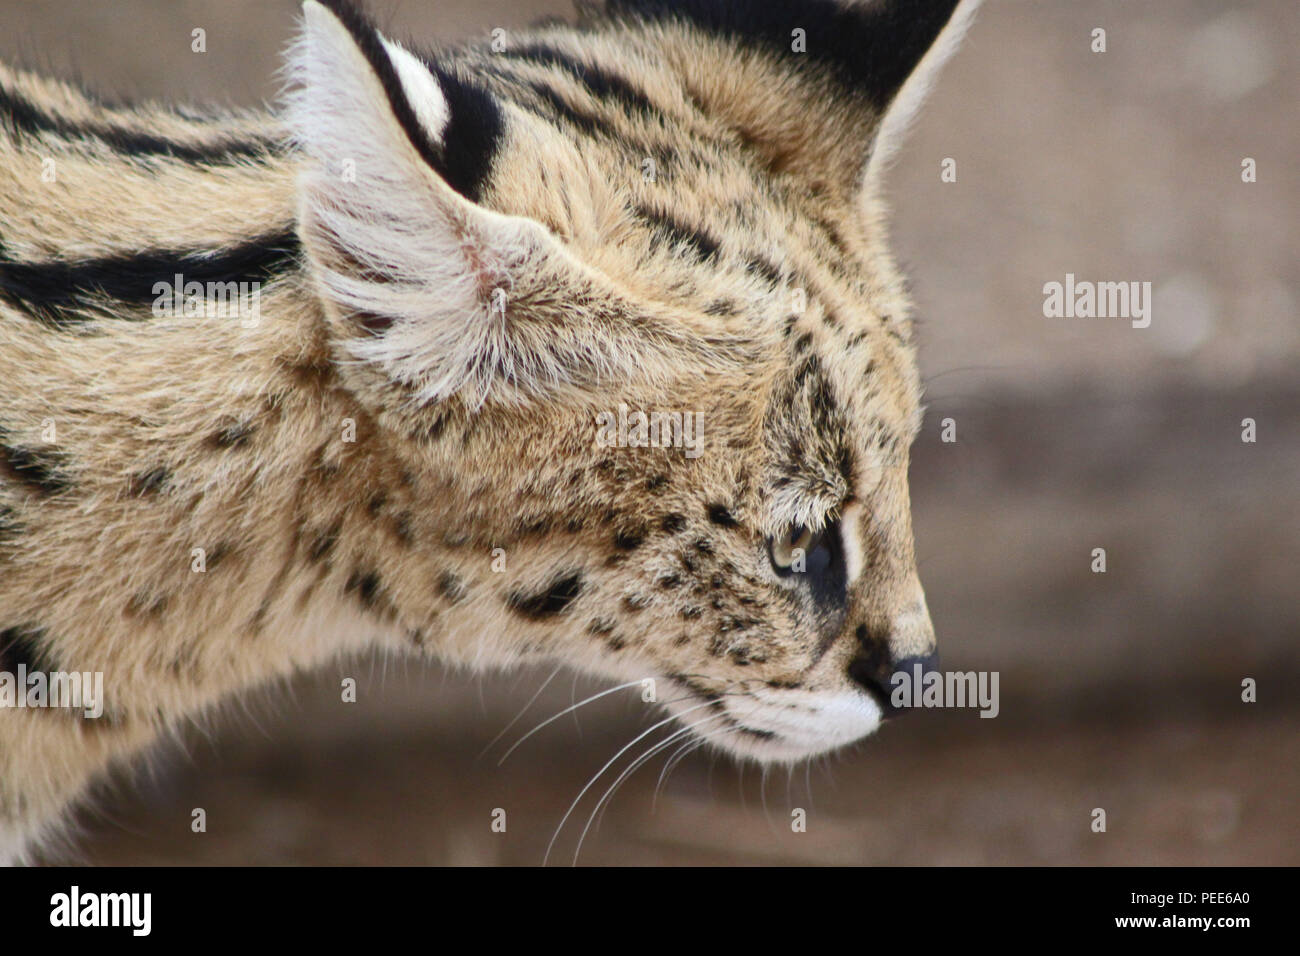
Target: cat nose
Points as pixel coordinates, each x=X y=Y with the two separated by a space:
x=874 y=672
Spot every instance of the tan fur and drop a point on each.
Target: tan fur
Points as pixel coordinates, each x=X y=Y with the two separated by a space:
x=317 y=546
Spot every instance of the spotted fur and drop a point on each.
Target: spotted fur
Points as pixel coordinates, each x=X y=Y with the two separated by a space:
x=466 y=256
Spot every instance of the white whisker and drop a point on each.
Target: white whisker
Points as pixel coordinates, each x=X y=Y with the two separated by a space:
x=677 y=756
x=550 y=720
x=612 y=760
x=606 y=798
x=531 y=700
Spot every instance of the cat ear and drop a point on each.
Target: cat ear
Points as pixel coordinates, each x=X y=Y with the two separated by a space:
x=930 y=42
x=840 y=83
x=427 y=286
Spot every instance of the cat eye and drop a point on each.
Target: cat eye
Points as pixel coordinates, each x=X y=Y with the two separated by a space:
x=790 y=550
x=813 y=562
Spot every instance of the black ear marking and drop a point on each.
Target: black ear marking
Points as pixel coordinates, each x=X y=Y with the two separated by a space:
x=464 y=155
x=872 y=47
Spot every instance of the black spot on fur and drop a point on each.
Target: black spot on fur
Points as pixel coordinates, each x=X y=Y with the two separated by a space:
x=25 y=646
x=39 y=470
x=365 y=585
x=372 y=322
x=324 y=543
x=146 y=604
x=63 y=293
x=636 y=602
x=404 y=528
x=8 y=524
x=628 y=540
x=757 y=265
x=232 y=435
x=149 y=482
x=435 y=428
x=218 y=554
x=673 y=523
x=870 y=48
x=533 y=527
x=551 y=601
x=451 y=587
x=719 y=515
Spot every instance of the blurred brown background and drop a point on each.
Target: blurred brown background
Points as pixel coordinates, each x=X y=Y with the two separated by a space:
x=1119 y=690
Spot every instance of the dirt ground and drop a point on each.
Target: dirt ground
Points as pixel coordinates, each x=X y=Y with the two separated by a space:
x=1120 y=691
x=410 y=783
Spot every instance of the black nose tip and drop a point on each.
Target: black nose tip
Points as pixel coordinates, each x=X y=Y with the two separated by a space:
x=874 y=674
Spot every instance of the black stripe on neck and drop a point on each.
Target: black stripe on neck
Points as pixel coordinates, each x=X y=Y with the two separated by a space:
x=24 y=118
x=702 y=244
x=600 y=83
x=65 y=294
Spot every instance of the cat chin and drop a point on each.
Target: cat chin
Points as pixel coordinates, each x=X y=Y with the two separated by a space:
x=788 y=732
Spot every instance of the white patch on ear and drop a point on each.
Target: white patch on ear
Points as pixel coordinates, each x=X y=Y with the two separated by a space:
x=421 y=91
x=388 y=237
x=901 y=113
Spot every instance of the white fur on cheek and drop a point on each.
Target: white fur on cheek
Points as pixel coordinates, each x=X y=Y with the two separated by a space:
x=852 y=541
